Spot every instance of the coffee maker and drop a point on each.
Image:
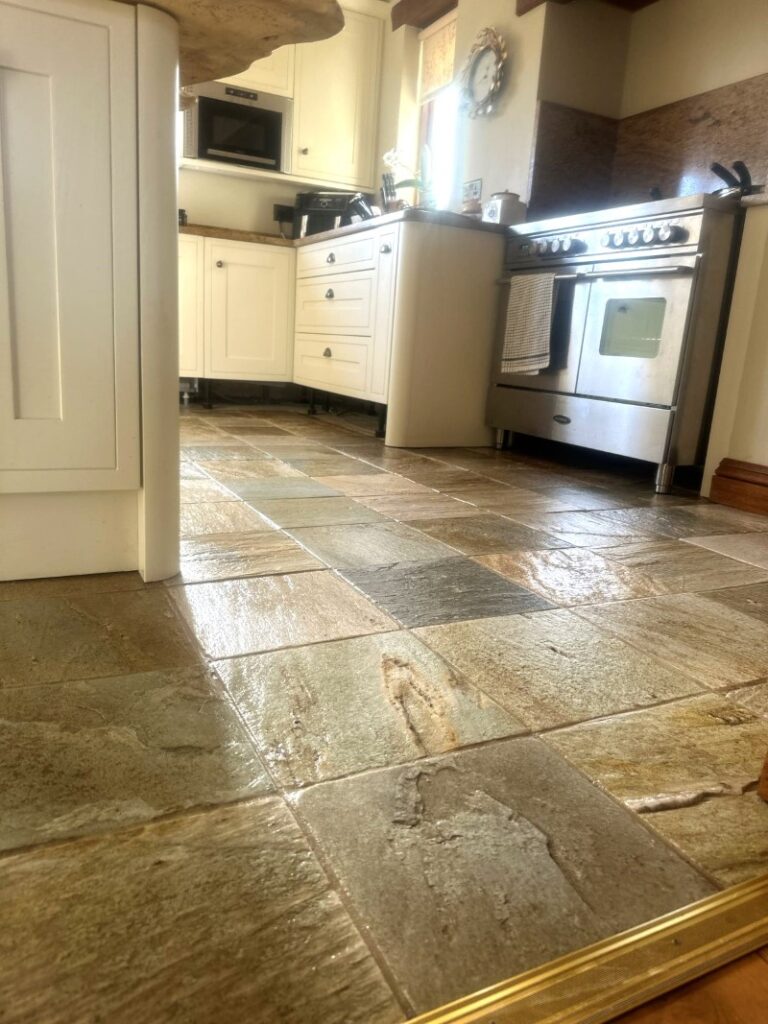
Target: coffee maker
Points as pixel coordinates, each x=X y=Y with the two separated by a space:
x=323 y=211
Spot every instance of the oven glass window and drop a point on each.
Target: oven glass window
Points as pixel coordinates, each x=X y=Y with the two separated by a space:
x=632 y=327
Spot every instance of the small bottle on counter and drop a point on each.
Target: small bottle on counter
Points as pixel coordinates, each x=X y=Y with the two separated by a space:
x=183 y=219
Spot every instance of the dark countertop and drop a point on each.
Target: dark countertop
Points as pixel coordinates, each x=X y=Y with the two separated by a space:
x=443 y=218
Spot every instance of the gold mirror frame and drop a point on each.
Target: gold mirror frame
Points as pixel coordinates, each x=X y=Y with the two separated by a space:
x=487 y=39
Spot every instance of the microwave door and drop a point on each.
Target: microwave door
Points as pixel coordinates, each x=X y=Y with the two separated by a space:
x=570 y=303
x=240 y=134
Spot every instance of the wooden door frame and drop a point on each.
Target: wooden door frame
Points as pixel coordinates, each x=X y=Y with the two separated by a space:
x=643 y=963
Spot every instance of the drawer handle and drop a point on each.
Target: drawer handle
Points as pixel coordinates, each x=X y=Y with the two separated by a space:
x=385 y=249
x=219 y=264
x=561 y=419
x=330 y=294
x=327 y=354
x=304 y=150
x=331 y=257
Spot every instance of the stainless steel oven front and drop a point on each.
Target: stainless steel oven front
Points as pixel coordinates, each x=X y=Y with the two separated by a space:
x=634 y=334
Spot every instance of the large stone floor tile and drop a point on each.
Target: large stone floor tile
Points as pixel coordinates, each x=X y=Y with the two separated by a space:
x=489 y=862
x=338 y=466
x=268 y=612
x=583 y=529
x=332 y=709
x=753 y=697
x=552 y=668
x=484 y=534
x=212 y=517
x=448 y=590
x=677 y=568
x=752 y=600
x=224 y=916
x=294 y=512
x=87 y=635
x=751 y=547
x=226 y=556
x=407 y=507
x=193 y=491
x=91 y=756
x=689 y=768
x=375 y=483
x=223 y=453
x=228 y=471
x=571 y=576
x=348 y=547
x=698 y=635
x=254 y=491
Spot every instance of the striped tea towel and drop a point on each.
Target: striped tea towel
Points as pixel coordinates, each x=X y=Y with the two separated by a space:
x=529 y=324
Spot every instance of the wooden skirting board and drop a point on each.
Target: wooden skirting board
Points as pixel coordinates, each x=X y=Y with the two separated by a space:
x=741 y=485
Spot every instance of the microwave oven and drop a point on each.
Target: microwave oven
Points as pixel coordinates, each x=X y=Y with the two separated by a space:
x=238 y=126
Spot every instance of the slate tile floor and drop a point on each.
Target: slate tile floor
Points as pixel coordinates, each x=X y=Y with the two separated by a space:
x=406 y=723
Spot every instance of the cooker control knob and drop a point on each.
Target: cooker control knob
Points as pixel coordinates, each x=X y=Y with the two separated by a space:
x=605 y=240
x=572 y=246
x=650 y=234
x=672 y=233
x=634 y=236
x=542 y=248
x=555 y=245
x=618 y=239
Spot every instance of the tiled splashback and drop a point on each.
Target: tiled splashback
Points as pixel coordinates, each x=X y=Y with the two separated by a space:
x=584 y=161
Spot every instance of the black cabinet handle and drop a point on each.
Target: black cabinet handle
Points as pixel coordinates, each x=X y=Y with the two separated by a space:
x=561 y=419
x=331 y=258
x=327 y=353
x=330 y=294
x=219 y=263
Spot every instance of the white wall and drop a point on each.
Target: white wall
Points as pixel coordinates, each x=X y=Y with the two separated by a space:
x=498 y=149
x=585 y=56
x=678 y=48
x=228 y=202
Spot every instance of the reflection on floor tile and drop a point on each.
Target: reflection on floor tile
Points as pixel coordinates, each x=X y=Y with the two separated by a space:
x=677 y=765
x=376 y=483
x=280 y=487
x=553 y=668
x=223 y=453
x=503 y=851
x=235 y=895
x=752 y=601
x=220 y=517
x=322 y=712
x=228 y=555
x=247 y=469
x=674 y=567
x=95 y=755
x=571 y=576
x=702 y=637
x=340 y=466
x=268 y=612
x=406 y=507
x=86 y=636
x=369 y=545
x=193 y=491
x=752 y=548
x=483 y=534
x=293 y=512
x=425 y=593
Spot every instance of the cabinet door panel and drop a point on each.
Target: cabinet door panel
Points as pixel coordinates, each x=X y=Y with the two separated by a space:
x=250 y=316
x=69 y=399
x=191 y=305
x=270 y=74
x=337 y=89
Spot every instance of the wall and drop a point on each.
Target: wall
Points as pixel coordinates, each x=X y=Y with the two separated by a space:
x=225 y=201
x=678 y=48
x=498 y=149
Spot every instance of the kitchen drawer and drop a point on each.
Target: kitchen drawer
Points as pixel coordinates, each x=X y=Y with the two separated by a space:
x=332 y=363
x=357 y=252
x=344 y=304
x=637 y=431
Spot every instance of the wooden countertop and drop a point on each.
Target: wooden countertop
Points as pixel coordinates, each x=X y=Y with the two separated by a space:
x=440 y=217
x=234 y=235
x=219 y=38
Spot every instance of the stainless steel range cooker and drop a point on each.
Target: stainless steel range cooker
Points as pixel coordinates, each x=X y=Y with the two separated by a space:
x=640 y=303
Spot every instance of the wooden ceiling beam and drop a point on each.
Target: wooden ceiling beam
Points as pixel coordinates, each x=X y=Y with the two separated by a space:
x=420 y=13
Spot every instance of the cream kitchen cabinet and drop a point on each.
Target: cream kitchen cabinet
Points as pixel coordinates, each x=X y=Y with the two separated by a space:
x=337 y=99
x=236 y=309
x=191 y=306
x=272 y=74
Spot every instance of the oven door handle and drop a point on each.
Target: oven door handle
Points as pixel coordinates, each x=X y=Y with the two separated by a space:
x=596 y=275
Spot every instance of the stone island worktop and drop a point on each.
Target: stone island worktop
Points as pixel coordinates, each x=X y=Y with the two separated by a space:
x=218 y=38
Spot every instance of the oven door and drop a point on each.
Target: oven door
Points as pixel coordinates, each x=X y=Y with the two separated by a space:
x=571 y=300
x=239 y=133
x=635 y=332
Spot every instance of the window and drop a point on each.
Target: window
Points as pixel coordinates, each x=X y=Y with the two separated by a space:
x=439 y=98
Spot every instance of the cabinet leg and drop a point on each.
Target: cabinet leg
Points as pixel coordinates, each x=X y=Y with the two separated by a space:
x=312 y=410
x=503 y=440
x=381 y=428
x=664 y=476
x=205 y=392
